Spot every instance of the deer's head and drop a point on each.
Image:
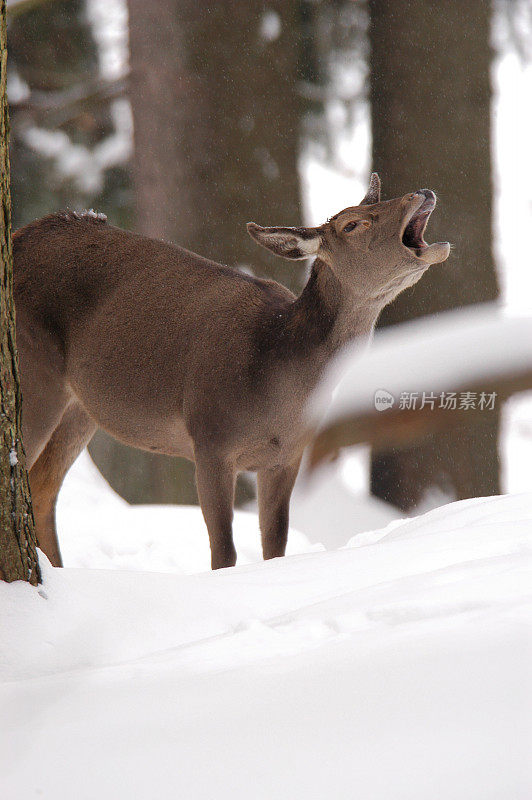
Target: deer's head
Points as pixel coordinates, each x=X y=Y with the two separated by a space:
x=375 y=249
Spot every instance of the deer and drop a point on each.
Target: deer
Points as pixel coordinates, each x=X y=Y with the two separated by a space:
x=172 y=353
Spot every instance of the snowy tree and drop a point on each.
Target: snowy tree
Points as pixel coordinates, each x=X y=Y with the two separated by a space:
x=18 y=553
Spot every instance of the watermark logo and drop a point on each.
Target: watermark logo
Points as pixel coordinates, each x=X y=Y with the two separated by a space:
x=383 y=400
x=450 y=401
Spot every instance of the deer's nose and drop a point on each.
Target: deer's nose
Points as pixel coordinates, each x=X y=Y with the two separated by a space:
x=428 y=193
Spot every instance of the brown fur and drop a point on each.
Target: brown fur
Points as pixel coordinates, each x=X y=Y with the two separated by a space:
x=170 y=352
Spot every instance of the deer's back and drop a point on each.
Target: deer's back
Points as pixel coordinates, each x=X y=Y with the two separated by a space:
x=141 y=323
x=67 y=266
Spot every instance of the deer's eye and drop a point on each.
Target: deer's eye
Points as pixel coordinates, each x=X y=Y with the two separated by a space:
x=350 y=227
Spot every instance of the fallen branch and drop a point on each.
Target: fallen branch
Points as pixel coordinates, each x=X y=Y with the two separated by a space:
x=396 y=428
x=469 y=353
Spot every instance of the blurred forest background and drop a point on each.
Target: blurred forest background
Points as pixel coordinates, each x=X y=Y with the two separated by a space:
x=185 y=121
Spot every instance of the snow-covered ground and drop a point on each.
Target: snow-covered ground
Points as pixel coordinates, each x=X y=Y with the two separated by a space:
x=98 y=529
x=397 y=667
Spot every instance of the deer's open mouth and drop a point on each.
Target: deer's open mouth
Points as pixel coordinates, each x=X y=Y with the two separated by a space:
x=415 y=227
x=412 y=236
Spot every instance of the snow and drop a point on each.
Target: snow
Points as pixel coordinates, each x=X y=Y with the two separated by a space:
x=97 y=528
x=515 y=441
x=512 y=131
x=329 y=510
x=18 y=90
x=109 y=21
x=92 y=214
x=83 y=165
x=270 y=25
x=399 y=666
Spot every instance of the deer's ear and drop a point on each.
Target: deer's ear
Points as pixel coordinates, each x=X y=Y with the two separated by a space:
x=373 y=195
x=292 y=243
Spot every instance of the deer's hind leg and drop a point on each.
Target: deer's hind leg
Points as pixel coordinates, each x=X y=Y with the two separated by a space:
x=46 y=476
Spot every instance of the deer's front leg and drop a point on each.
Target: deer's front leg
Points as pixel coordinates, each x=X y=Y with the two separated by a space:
x=274 y=490
x=215 y=479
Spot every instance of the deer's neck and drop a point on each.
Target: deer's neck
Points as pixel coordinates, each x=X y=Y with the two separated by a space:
x=325 y=318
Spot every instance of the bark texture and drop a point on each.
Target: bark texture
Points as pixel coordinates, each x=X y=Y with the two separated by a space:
x=216 y=118
x=18 y=550
x=430 y=106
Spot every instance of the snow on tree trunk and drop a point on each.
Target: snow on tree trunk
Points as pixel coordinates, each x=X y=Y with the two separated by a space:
x=18 y=551
x=430 y=105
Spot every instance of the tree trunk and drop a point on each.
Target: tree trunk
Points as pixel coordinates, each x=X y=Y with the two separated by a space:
x=216 y=118
x=430 y=105
x=18 y=549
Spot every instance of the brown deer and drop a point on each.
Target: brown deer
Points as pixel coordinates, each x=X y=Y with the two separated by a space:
x=173 y=353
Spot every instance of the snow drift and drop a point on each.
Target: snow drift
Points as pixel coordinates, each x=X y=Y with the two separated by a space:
x=398 y=667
